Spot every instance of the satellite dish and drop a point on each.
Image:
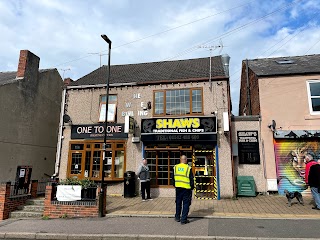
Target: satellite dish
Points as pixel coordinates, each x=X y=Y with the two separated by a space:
x=66 y=118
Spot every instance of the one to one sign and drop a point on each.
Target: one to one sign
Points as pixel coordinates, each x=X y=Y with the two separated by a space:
x=68 y=193
x=248 y=147
x=96 y=131
x=179 y=129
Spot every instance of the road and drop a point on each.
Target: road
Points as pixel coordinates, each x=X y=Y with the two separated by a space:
x=232 y=227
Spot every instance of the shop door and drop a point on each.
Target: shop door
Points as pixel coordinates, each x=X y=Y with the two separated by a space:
x=289 y=156
x=77 y=161
x=204 y=167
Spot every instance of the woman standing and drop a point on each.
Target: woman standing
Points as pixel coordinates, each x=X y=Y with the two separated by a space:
x=144 y=176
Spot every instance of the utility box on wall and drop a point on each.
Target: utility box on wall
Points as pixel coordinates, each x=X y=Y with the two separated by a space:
x=246 y=186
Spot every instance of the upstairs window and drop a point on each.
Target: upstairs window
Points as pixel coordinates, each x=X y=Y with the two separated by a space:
x=314 y=96
x=178 y=102
x=112 y=108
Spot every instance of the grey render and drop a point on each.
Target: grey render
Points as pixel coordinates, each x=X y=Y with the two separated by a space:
x=29 y=110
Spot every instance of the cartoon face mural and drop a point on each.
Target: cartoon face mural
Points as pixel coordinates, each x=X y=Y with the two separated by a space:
x=290 y=163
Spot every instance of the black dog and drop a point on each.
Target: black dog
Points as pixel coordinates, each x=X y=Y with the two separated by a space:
x=292 y=195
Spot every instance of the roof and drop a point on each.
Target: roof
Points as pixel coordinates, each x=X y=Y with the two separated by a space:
x=308 y=64
x=146 y=73
x=9 y=77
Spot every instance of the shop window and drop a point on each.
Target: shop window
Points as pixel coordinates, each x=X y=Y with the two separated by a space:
x=313 y=87
x=161 y=164
x=178 y=102
x=112 y=108
x=87 y=163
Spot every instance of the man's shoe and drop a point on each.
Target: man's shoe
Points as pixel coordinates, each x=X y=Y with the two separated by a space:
x=185 y=222
x=150 y=199
x=177 y=219
x=143 y=200
x=315 y=208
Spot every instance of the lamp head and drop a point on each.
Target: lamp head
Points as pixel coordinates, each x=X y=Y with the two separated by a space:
x=106 y=39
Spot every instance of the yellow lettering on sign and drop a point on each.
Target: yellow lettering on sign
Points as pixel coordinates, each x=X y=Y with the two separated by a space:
x=196 y=123
x=178 y=123
x=159 y=123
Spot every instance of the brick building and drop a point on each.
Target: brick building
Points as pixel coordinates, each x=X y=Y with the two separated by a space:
x=176 y=108
x=285 y=93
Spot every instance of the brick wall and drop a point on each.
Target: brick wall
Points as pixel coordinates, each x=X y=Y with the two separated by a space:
x=254 y=92
x=72 y=209
x=9 y=204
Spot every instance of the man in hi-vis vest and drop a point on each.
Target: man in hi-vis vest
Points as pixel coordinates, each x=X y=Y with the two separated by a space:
x=183 y=182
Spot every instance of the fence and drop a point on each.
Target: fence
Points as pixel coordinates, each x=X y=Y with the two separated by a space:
x=35 y=188
x=41 y=188
x=16 y=191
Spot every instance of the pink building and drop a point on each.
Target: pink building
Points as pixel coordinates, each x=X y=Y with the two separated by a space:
x=285 y=93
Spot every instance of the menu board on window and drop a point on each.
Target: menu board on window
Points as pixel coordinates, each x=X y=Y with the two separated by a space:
x=248 y=147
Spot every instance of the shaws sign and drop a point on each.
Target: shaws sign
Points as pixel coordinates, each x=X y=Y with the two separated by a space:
x=177 y=129
x=96 y=131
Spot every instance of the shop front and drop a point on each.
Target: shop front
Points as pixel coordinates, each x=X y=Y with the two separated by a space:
x=86 y=152
x=290 y=149
x=166 y=139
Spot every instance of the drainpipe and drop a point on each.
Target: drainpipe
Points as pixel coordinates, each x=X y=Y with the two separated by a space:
x=59 y=144
x=263 y=157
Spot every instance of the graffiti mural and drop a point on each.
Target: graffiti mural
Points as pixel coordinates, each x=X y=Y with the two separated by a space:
x=290 y=163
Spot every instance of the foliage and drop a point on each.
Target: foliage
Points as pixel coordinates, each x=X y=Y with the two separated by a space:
x=45 y=217
x=64 y=216
x=85 y=183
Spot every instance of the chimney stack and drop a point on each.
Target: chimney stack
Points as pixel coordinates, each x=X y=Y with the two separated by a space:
x=28 y=64
x=67 y=81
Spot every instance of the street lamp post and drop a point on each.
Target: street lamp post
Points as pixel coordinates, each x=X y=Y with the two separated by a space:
x=102 y=193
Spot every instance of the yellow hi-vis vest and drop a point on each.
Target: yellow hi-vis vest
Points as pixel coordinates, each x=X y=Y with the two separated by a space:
x=181 y=176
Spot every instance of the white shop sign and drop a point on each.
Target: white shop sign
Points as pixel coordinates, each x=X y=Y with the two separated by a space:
x=68 y=192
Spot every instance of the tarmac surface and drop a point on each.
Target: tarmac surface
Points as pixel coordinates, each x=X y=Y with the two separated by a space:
x=160 y=228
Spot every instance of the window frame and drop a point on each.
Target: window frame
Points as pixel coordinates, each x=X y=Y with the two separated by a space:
x=114 y=148
x=168 y=149
x=165 y=102
x=310 y=97
x=109 y=103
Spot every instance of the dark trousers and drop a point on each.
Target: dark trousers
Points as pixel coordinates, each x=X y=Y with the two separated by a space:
x=183 y=199
x=145 y=187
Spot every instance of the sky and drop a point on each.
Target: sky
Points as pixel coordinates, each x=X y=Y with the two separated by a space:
x=63 y=33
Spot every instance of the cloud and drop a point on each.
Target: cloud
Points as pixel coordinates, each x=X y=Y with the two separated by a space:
x=62 y=33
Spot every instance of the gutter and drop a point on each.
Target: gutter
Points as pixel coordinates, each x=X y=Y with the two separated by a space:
x=59 y=144
x=102 y=85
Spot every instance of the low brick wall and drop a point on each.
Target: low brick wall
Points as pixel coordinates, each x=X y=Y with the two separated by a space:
x=72 y=209
x=9 y=204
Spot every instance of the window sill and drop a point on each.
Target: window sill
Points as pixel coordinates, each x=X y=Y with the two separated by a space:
x=312 y=117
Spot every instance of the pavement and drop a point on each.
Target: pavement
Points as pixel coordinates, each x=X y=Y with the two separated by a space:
x=269 y=206
x=261 y=217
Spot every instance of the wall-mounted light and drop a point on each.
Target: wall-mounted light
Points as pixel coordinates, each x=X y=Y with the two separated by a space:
x=66 y=118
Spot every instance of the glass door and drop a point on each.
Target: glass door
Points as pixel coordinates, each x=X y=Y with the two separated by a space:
x=204 y=165
x=77 y=161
